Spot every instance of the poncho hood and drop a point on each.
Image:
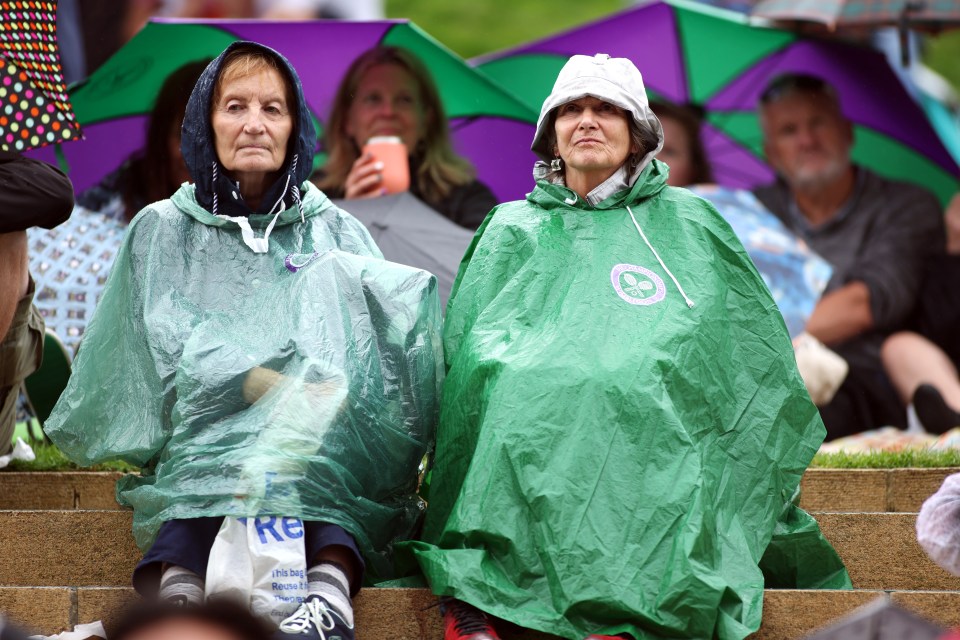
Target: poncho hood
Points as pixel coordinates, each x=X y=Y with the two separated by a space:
x=614 y=80
x=214 y=190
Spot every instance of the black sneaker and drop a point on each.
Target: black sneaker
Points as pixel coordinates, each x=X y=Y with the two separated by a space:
x=932 y=410
x=315 y=620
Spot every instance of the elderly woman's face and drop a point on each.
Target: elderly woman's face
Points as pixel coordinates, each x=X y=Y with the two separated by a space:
x=387 y=103
x=593 y=136
x=252 y=125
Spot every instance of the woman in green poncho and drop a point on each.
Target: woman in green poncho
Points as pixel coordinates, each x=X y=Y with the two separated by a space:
x=259 y=359
x=622 y=421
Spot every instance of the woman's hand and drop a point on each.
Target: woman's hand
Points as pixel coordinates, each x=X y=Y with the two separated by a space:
x=365 y=179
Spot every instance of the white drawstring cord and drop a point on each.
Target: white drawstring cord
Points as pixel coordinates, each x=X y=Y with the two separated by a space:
x=257 y=245
x=279 y=211
x=260 y=245
x=215 y=201
x=659 y=259
x=296 y=189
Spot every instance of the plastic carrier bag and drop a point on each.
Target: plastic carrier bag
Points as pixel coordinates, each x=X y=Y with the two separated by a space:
x=938 y=525
x=259 y=563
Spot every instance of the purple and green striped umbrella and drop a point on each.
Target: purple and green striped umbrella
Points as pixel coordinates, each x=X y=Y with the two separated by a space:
x=490 y=126
x=714 y=59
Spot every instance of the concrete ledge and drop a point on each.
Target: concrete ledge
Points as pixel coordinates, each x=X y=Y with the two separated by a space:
x=942 y=607
x=826 y=490
x=409 y=614
x=842 y=490
x=58 y=490
x=43 y=610
x=791 y=615
x=74 y=548
x=881 y=551
x=908 y=488
x=95 y=549
x=869 y=490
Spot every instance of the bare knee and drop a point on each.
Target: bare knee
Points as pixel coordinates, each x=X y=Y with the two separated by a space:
x=14 y=275
x=899 y=346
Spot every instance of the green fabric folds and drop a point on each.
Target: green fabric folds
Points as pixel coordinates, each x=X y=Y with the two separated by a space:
x=610 y=459
x=300 y=382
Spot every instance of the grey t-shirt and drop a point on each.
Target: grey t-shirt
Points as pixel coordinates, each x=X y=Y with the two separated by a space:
x=881 y=236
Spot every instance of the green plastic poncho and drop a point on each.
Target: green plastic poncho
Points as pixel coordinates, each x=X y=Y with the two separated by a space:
x=300 y=382
x=610 y=459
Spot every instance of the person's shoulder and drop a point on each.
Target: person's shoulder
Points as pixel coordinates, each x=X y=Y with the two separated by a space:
x=775 y=196
x=683 y=200
x=895 y=192
x=164 y=212
x=512 y=213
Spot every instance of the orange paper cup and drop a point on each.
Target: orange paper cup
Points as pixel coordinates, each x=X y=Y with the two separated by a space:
x=391 y=151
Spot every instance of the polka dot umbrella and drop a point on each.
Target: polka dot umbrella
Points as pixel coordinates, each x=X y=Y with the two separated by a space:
x=34 y=108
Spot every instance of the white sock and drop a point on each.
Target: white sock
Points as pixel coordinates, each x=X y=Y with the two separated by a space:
x=179 y=584
x=329 y=581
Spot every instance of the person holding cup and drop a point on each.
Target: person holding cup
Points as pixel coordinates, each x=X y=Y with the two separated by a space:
x=387 y=133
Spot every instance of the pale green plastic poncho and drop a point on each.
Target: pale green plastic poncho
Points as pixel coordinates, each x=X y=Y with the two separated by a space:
x=610 y=459
x=342 y=408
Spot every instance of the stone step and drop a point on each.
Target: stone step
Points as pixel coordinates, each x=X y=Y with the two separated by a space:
x=56 y=490
x=95 y=549
x=876 y=490
x=409 y=614
x=836 y=490
x=826 y=490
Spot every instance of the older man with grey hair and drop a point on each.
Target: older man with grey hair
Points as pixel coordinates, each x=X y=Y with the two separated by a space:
x=876 y=233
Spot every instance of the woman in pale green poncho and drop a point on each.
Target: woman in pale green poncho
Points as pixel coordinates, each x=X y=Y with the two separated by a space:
x=258 y=358
x=622 y=423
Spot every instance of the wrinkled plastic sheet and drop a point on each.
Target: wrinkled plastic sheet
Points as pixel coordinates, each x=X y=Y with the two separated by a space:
x=610 y=459
x=303 y=384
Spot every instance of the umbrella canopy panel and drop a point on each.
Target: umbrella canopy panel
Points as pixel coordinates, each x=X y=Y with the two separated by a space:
x=717 y=61
x=34 y=107
x=120 y=94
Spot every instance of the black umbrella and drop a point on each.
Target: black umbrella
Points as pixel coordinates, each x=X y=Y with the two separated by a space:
x=411 y=233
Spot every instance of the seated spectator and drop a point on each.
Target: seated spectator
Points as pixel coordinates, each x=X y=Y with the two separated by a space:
x=388 y=92
x=876 y=234
x=607 y=424
x=31 y=193
x=683 y=148
x=255 y=354
x=922 y=363
x=156 y=171
x=795 y=275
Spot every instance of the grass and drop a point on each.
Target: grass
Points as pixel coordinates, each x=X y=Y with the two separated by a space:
x=943 y=56
x=914 y=458
x=49 y=458
x=473 y=28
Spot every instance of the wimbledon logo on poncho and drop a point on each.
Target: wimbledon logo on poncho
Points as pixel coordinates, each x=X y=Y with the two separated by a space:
x=637 y=285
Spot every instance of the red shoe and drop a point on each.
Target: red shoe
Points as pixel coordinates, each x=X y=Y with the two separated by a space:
x=462 y=621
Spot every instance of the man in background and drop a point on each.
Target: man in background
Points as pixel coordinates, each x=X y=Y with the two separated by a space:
x=876 y=234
